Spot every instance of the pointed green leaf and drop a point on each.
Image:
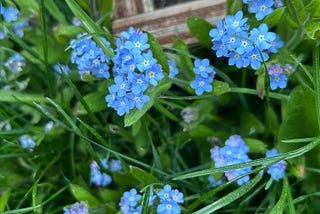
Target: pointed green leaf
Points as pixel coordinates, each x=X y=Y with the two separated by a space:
x=219 y=88
x=4 y=199
x=142 y=176
x=55 y=11
x=82 y=194
x=281 y=204
x=14 y=96
x=158 y=53
x=185 y=62
x=135 y=114
x=296 y=11
x=200 y=29
x=273 y=18
x=255 y=145
x=95 y=100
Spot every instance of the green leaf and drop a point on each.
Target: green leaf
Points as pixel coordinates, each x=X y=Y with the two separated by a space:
x=96 y=101
x=64 y=33
x=300 y=112
x=82 y=194
x=273 y=18
x=255 y=145
x=281 y=204
x=250 y=124
x=233 y=6
x=158 y=53
x=186 y=64
x=91 y=26
x=14 y=97
x=55 y=11
x=220 y=88
x=142 y=176
x=316 y=67
x=314 y=8
x=200 y=29
x=4 y=199
x=313 y=29
x=295 y=11
x=229 y=198
x=135 y=114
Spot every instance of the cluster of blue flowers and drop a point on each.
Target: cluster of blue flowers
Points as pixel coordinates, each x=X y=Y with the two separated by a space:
x=168 y=201
x=27 y=142
x=100 y=178
x=278 y=78
x=232 y=39
x=262 y=8
x=89 y=58
x=204 y=76
x=234 y=152
x=77 y=208
x=277 y=170
x=10 y=15
x=134 y=69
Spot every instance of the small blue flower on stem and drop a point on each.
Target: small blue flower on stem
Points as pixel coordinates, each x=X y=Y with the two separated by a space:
x=201 y=85
x=154 y=74
x=261 y=8
x=279 y=81
x=10 y=14
x=277 y=170
x=173 y=70
x=77 y=208
x=27 y=142
x=202 y=67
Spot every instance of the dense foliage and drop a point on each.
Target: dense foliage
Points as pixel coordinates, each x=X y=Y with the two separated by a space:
x=93 y=122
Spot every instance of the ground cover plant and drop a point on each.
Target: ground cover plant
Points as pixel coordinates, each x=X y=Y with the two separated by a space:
x=94 y=122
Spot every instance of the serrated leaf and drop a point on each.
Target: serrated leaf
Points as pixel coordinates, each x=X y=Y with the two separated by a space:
x=142 y=176
x=158 y=53
x=95 y=100
x=219 y=88
x=273 y=18
x=82 y=194
x=200 y=29
x=313 y=29
x=135 y=114
x=231 y=197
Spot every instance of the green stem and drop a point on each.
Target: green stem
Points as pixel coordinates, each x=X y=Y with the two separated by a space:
x=316 y=66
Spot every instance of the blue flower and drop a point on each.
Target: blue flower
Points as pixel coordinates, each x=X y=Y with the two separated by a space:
x=235 y=24
x=139 y=83
x=10 y=14
x=154 y=74
x=48 y=127
x=97 y=177
x=131 y=197
x=77 y=208
x=137 y=41
x=255 y=58
x=15 y=63
x=277 y=170
x=217 y=33
x=61 y=68
x=276 y=44
x=165 y=194
x=168 y=208
x=202 y=67
x=27 y=142
x=275 y=70
x=115 y=165
x=278 y=81
x=138 y=100
x=145 y=61
x=261 y=8
x=261 y=37
x=173 y=70
x=214 y=183
x=201 y=85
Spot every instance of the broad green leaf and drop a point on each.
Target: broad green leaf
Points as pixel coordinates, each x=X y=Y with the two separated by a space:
x=250 y=124
x=95 y=100
x=135 y=114
x=272 y=121
x=63 y=33
x=200 y=29
x=313 y=29
x=231 y=197
x=142 y=176
x=142 y=139
x=91 y=26
x=281 y=204
x=314 y=8
x=82 y=194
x=4 y=199
x=158 y=53
x=186 y=64
x=55 y=11
x=273 y=18
x=300 y=115
x=14 y=97
x=255 y=145
x=220 y=88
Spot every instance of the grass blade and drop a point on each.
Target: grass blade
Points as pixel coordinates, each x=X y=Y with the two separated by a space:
x=316 y=66
x=229 y=198
x=281 y=204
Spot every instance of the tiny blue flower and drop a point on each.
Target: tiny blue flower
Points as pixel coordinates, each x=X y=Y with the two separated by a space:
x=27 y=142
x=201 y=84
x=132 y=197
x=77 y=208
x=173 y=70
x=261 y=37
x=278 y=81
x=168 y=208
x=202 y=67
x=154 y=74
x=261 y=8
x=277 y=170
x=10 y=14
x=115 y=165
